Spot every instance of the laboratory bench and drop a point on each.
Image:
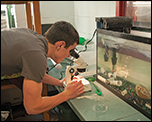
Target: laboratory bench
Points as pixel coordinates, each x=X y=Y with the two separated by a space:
x=91 y=107
x=108 y=107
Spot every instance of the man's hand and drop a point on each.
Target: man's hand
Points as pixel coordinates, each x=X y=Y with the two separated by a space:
x=73 y=89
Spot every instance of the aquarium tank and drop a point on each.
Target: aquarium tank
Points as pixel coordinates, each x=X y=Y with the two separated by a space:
x=123 y=66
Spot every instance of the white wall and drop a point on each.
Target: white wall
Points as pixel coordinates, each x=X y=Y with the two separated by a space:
x=79 y=13
x=20 y=16
x=86 y=11
x=52 y=11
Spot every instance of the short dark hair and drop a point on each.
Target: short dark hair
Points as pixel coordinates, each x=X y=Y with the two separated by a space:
x=62 y=31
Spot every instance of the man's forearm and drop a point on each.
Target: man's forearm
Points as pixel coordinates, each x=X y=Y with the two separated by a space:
x=34 y=103
x=47 y=103
x=47 y=79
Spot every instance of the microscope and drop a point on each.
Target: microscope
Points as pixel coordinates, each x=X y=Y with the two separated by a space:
x=73 y=71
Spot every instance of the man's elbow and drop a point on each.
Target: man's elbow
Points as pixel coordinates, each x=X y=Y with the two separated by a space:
x=30 y=109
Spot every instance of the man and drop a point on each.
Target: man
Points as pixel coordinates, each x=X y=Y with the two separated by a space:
x=24 y=55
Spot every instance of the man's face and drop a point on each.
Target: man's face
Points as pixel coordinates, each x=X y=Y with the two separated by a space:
x=63 y=53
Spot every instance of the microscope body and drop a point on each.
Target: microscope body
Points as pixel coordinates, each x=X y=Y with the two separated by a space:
x=72 y=71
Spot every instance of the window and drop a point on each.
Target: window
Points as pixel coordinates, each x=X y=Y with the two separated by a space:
x=3 y=17
x=139 y=11
x=7 y=16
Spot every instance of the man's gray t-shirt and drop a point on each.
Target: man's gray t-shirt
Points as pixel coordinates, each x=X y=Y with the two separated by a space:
x=23 y=52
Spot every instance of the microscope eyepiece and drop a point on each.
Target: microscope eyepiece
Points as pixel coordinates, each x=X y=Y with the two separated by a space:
x=74 y=54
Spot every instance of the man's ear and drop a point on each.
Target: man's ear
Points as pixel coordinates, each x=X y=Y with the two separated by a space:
x=59 y=44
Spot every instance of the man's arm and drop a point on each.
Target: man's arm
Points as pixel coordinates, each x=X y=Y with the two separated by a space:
x=47 y=79
x=34 y=103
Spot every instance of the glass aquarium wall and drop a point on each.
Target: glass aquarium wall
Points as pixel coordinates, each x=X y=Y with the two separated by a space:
x=124 y=67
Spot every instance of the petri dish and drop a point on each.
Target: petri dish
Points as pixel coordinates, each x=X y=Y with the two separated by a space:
x=100 y=107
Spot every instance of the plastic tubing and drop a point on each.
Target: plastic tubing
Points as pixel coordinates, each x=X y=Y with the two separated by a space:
x=101 y=78
x=116 y=82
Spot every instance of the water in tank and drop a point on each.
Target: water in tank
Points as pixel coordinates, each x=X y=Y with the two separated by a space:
x=123 y=65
